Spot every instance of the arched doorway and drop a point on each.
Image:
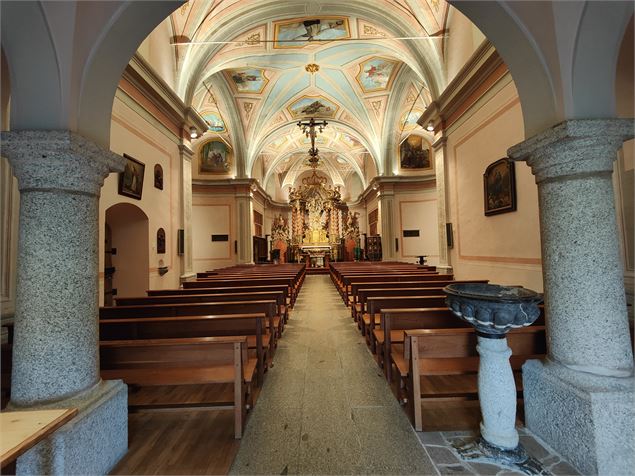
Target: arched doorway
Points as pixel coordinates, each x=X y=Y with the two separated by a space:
x=127 y=256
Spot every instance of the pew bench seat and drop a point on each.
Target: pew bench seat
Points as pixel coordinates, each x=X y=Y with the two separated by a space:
x=185 y=361
x=435 y=364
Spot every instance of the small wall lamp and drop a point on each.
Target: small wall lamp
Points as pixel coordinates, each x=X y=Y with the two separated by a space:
x=430 y=127
x=193 y=132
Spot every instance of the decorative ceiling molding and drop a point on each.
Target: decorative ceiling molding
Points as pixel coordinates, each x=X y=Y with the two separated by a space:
x=484 y=68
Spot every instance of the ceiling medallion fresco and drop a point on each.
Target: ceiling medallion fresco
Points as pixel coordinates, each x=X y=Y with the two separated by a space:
x=350 y=141
x=248 y=80
x=376 y=74
x=214 y=121
x=300 y=32
x=317 y=106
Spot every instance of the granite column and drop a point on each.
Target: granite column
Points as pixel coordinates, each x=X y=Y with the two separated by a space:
x=56 y=340
x=580 y=399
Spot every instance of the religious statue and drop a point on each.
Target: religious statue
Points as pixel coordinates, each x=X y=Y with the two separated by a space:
x=351 y=228
x=279 y=229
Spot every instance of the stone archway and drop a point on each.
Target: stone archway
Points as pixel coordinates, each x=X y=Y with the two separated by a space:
x=563 y=57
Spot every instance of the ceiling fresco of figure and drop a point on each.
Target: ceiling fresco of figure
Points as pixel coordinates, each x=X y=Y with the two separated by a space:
x=269 y=63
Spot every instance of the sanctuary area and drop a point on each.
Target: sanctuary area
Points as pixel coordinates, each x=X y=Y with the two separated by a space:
x=317 y=237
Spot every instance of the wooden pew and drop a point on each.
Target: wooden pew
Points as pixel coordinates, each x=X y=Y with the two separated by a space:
x=223 y=290
x=269 y=308
x=375 y=305
x=359 y=309
x=356 y=287
x=203 y=360
x=349 y=281
x=443 y=363
x=394 y=323
x=277 y=296
x=250 y=326
x=210 y=283
x=343 y=282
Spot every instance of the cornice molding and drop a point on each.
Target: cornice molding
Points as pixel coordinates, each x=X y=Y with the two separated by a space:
x=140 y=75
x=382 y=184
x=239 y=186
x=484 y=68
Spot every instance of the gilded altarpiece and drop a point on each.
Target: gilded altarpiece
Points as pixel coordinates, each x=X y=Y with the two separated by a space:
x=316 y=221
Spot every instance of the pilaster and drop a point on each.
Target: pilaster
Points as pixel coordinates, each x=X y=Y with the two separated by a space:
x=186 y=154
x=244 y=210
x=439 y=148
x=386 y=199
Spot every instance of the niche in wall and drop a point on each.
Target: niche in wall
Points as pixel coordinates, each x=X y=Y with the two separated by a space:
x=158 y=177
x=160 y=241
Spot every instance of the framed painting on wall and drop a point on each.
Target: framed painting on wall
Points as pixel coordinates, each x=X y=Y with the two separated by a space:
x=499 y=183
x=415 y=154
x=131 y=179
x=215 y=157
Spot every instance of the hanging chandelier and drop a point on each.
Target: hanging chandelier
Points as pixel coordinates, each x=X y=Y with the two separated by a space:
x=311 y=128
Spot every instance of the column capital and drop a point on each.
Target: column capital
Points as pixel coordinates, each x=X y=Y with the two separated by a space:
x=440 y=142
x=58 y=160
x=186 y=152
x=575 y=147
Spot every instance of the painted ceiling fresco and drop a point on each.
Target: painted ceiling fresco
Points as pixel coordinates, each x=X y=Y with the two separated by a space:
x=269 y=66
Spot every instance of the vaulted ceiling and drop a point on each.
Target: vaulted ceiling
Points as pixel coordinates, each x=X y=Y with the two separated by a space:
x=253 y=69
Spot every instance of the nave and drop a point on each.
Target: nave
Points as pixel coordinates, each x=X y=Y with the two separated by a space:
x=325 y=408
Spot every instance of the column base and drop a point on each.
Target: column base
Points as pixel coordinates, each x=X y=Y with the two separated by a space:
x=588 y=419
x=187 y=277
x=92 y=442
x=445 y=269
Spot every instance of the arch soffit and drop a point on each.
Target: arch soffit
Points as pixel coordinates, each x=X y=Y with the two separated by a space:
x=278 y=131
x=569 y=77
x=426 y=59
x=280 y=159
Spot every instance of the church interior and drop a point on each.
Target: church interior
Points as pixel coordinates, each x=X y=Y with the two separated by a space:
x=316 y=237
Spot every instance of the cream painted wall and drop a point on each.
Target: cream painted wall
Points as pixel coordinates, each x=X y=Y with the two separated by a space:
x=158 y=51
x=418 y=211
x=213 y=215
x=133 y=135
x=503 y=248
x=462 y=40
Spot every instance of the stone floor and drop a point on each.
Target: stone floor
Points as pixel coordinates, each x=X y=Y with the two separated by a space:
x=439 y=447
x=326 y=408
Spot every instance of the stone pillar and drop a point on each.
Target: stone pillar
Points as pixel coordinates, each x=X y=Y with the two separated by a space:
x=439 y=146
x=581 y=399
x=244 y=211
x=186 y=154
x=386 y=206
x=55 y=350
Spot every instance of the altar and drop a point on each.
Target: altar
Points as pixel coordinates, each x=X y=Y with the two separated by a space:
x=316 y=256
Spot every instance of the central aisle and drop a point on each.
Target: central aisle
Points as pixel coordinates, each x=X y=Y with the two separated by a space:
x=325 y=407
